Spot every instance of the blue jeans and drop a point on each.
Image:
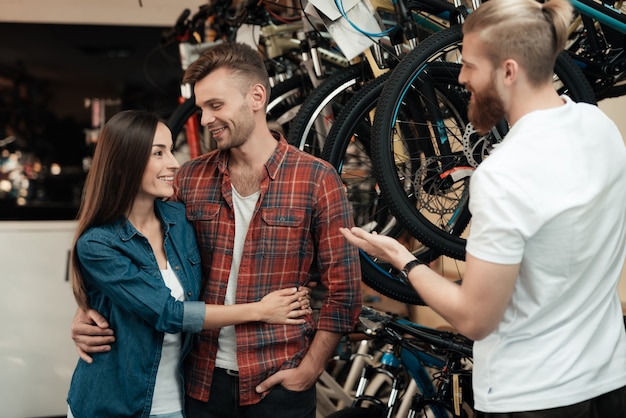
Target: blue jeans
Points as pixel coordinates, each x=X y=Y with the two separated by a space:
x=224 y=402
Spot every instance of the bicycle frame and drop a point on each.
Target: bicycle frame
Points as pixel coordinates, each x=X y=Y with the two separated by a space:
x=599 y=49
x=601 y=12
x=331 y=395
x=415 y=363
x=273 y=43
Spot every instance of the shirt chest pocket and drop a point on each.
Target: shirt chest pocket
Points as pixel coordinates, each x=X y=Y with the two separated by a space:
x=283 y=232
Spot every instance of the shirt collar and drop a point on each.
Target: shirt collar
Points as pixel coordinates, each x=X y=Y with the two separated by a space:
x=126 y=230
x=273 y=164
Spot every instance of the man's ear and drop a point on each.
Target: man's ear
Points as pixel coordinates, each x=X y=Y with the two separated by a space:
x=259 y=95
x=511 y=71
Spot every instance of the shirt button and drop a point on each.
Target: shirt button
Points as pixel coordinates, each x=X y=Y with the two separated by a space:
x=188 y=293
x=177 y=268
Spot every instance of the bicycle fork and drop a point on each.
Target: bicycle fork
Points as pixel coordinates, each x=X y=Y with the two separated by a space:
x=370 y=382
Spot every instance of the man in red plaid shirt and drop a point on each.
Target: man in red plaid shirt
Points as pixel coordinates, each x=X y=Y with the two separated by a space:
x=265 y=214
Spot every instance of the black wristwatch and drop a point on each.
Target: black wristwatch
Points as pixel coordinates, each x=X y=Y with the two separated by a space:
x=404 y=273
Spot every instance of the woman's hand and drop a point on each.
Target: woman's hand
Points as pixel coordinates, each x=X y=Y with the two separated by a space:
x=286 y=306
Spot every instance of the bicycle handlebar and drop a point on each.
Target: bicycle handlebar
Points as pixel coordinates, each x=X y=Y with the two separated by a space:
x=225 y=20
x=440 y=339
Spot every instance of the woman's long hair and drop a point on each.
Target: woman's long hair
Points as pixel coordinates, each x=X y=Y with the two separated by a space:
x=114 y=179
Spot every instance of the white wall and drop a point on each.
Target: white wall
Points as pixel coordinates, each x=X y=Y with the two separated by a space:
x=96 y=12
x=37 y=355
x=614 y=108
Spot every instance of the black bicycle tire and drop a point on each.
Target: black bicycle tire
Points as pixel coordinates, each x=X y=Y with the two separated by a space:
x=327 y=93
x=389 y=102
x=382 y=278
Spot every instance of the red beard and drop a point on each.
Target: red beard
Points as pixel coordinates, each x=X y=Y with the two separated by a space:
x=485 y=109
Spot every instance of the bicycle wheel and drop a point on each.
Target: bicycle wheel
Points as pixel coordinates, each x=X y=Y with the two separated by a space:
x=348 y=150
x=425 y=179
x=310 y=127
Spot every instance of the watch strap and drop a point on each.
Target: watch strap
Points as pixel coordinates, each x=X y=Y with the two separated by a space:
x=410 y=266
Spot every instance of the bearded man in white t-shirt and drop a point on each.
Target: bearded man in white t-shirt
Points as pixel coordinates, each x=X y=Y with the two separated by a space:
x=548 y=234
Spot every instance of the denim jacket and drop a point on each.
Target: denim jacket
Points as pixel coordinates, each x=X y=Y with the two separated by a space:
x=124 y=283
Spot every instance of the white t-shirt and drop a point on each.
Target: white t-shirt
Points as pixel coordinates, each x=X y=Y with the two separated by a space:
x=226 y=357
x=552 y=196
x=167 y=397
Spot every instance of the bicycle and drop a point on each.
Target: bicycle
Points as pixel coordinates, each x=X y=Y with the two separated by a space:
x=412 y=22
x=429 y=371
x=348 y=149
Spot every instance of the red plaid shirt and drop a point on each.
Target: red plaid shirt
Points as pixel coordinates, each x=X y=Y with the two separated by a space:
x=295 y=224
